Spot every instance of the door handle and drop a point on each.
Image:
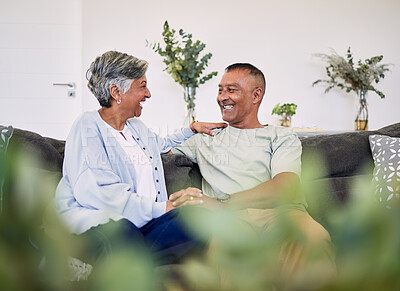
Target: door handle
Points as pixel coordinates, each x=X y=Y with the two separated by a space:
x=69 y=85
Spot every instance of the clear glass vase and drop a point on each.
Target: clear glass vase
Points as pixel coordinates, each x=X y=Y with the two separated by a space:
x=285 y=120
x=361 y=121
x=189 y=96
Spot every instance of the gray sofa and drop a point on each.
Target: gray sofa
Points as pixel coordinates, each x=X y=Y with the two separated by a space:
x=345 y=156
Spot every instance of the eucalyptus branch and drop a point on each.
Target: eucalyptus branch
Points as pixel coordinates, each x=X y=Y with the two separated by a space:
x=181 y=57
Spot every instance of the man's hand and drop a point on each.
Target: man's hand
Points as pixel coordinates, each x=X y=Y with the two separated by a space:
x=207 y=127
x=189 y=196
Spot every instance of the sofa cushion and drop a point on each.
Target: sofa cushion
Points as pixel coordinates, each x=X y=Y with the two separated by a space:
x=46 y=153
x=180 y=173
x=386 y=155
x=343 y=154
x=390 y=130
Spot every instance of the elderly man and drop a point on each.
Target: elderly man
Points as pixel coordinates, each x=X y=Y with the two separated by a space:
x=254 y=168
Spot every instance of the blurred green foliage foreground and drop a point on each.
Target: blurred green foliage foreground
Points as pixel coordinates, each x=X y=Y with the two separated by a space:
x=366 y=237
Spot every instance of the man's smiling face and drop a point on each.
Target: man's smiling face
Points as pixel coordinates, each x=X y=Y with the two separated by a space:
x=235 y=97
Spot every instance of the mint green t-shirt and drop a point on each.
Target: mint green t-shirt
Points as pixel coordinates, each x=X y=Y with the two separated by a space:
x=236 y=159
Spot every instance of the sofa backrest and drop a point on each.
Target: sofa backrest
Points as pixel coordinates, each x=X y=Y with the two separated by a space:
x=344 y=154
x=48 y=153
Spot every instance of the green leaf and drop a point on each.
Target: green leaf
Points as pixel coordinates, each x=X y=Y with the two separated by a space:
x=182 y=57
x=288 y=109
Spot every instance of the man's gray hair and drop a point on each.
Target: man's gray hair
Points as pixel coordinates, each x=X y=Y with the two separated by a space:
x=113 y=68
x=255 y=72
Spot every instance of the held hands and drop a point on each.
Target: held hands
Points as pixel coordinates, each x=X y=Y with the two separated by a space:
x=193 y=197
x=189 y=196
x=206 y=127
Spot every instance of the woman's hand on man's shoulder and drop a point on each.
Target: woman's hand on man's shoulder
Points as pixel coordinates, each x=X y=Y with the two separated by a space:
x=207 y=127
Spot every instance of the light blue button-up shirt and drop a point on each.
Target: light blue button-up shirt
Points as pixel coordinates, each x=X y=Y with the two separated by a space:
x=99 y=182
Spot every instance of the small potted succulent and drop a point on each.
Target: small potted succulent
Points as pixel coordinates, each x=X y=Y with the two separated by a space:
x=285 y=113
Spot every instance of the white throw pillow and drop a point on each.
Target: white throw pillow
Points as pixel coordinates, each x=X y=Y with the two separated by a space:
x=386 y=177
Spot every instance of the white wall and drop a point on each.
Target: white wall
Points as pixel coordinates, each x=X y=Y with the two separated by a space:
x=279 y=37
x=40 y=44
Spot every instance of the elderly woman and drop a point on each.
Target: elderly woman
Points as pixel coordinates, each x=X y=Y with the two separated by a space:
x=113 y=173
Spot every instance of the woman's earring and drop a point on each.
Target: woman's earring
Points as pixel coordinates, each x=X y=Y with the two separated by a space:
x=119 y=101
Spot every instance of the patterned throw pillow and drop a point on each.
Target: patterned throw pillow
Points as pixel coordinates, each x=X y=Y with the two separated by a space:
x=5 y=135
x=386 y=177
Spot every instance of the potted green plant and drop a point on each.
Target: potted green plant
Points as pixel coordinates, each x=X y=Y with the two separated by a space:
x=344 y=74
x=285 y=113
x=181 y=56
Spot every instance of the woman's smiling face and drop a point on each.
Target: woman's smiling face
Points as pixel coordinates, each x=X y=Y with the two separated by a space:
x=132 y=101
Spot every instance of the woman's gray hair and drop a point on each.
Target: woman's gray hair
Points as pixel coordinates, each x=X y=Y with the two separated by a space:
x=113 y=68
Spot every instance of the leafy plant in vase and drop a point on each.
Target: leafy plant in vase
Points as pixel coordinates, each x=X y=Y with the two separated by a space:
x=285 y=112
x=344 y=74
x=183 y=62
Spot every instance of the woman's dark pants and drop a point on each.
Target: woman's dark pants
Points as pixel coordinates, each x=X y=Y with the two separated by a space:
x=166 y=237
